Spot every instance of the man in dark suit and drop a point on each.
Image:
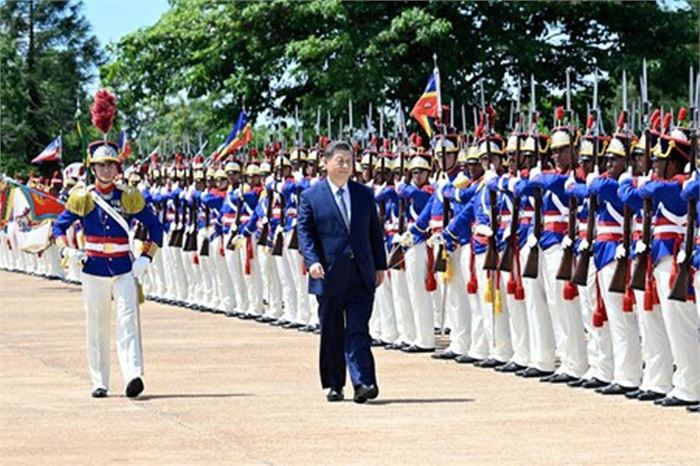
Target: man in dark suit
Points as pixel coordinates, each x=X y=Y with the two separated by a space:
x=341 y=239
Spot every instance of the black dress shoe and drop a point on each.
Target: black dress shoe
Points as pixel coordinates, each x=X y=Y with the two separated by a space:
x=490 y=363
x=466 y=359
x=594 y=383
x=306 y=328
x=444 y=355
x=335 y=395
x=533 y=373
x=576 y=383
x=672 y=402
x=615 y=389
x=279 y=323
x=510 y=367
x=396 y=346
x=417 y=349
x=650 y=395
x=548 y=378
x=292 y=325
x=99 y=393
x=377 y=342
x=693 y=409
x=365 y=392
x=231 y=314
x=562 y=378
x=634 y=394
x=134 y=388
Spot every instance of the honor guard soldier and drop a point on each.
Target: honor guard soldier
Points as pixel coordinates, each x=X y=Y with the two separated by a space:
x=110 y=271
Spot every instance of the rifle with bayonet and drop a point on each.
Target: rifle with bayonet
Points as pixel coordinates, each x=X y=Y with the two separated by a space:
x=618 y=283
x=679 y=291
x=566 y=267
x=639 y=274
x=491 y=259
x=532 y=264
x=508 y=256
x=581 y=273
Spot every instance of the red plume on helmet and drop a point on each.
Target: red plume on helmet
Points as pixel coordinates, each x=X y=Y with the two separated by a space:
x=621 y=120
x=491 y=112
x=253 y=154
x=589 y=121
x=559 y=114
x=667 y=121
x=103 y=110
x=655 y=119
x=682 y=113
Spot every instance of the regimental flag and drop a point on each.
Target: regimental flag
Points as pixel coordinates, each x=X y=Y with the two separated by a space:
x=240 y=135
x=124 y=146
x=5 y=202
x=51 y=153
x=42 y=206
x=429 y=104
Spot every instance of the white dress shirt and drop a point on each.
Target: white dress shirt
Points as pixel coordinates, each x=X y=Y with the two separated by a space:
x=346 y=198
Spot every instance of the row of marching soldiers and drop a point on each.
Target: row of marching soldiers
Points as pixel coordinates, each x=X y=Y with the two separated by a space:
x=478 y=231
x=488 y=240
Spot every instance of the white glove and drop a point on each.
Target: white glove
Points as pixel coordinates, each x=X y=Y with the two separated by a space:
x=535 y=171
x=435 y=240
x=640 y=247
x=400 y=187
x=627 y=175
x=642 y=180
x=489 y=175
x=591 y=177
x=680 y=258
x=512 y=181
x=239 y=241
x=483 y=230
x=270 y=180
x=566 y=243
x=531 y=241
x=583 y=245
x=406 y=239
x=138 y=268
x=298 y=176
x=620 y=252
x=570 y=182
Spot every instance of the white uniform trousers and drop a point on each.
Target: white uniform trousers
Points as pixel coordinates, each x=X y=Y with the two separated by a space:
x=569 y=334
x=386 y=314
x=657 y=374
x=599 y=343
x=496 y=326
x=272 y=291
x=478 y=344
x=624 y=329
x=458 y=308
x=235 y=270
x=305 y=306
x=179 y=274
x=207 y=289
x=519 y=334
x=98 y=293
x=405 y=325
x=168 y=265
x=192 y=274
x=542 y=347
x=253 y=278
x=53 y=261
x=288 y=288
x=224 y=282
x=421 y=302
x=681 y=321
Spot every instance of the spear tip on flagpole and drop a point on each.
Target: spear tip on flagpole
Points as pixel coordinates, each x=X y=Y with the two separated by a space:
x=435 y=59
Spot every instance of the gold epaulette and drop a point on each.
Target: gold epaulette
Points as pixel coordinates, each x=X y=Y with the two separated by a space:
x=132 y=199
x=80 y=202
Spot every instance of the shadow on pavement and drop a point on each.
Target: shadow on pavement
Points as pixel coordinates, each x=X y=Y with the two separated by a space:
x=191 y=395
x=421 y=401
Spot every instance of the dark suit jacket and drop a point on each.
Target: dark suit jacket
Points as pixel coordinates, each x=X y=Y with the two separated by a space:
x=324 y=237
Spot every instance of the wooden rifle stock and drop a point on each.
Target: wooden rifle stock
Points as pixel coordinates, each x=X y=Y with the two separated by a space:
x=191 y=239
x=278 y=246
x=581 y=273
x=239 y=206
x=567 y=261
x=639 y=274
x=264 y=233
x=532 y=264
x=204 y=248
x=294 y=240
x=491 y=259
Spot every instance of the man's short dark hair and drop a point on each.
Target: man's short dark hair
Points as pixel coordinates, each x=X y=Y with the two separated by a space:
x=338 y=146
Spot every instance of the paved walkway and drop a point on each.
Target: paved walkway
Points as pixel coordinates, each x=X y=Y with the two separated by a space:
x=228 y=391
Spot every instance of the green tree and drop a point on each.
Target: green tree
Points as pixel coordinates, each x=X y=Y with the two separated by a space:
x=47 y=57
x=278 y=54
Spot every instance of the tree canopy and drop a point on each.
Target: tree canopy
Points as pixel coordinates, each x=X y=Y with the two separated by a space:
x=47 y=55
x=191 y=72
